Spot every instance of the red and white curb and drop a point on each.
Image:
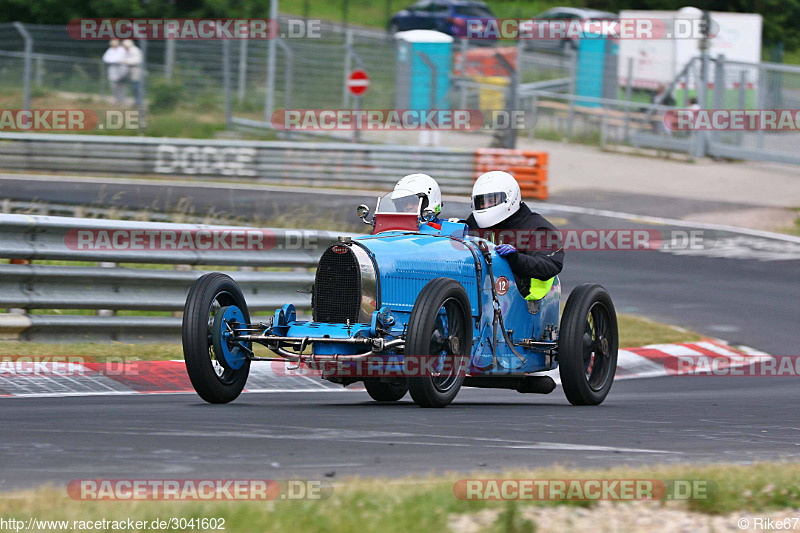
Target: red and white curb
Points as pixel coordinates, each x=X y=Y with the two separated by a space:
x=684 y=359
x=45 y=379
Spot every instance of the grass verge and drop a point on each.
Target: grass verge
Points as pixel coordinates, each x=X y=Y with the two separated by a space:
x=422 y=503
x=634 y=331
x=794 y=230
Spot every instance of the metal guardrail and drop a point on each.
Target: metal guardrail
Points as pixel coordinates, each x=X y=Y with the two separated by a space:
x=286 y=163
x=105 y=286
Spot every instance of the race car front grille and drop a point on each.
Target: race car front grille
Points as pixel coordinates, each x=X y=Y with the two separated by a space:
x=337 y=286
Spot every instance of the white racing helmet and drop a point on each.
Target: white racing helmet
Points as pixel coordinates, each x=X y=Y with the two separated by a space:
x=495 y=197
x=419 y=186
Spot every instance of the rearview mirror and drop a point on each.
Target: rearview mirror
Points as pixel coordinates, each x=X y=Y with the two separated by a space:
x=363 y=212
x=428 y=214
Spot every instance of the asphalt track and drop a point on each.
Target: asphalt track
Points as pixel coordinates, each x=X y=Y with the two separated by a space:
x=750 y=297
x=339 y=434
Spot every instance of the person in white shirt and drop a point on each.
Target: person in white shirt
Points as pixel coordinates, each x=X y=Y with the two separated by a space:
x=117 y=71
x=133 y=60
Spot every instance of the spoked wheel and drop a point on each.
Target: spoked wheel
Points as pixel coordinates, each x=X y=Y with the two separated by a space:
x=587 y=345
x=388 y=390
x=438 y=342
x=217 y=369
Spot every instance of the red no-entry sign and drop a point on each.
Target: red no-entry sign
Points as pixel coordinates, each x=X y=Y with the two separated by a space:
x=358 y=82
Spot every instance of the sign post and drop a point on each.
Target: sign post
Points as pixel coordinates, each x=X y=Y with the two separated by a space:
x=357 y=83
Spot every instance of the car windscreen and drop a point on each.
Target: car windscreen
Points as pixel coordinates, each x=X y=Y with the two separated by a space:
x=473 y=10
x=409 y=204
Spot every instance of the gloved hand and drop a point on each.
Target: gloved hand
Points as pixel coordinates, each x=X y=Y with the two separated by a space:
x=505 y=249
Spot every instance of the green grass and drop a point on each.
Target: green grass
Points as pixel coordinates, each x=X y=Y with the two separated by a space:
x=636 y=331
x=792 y=57
x=96 y=351
x=421 y=503
x=794 y=230
x=592 y=138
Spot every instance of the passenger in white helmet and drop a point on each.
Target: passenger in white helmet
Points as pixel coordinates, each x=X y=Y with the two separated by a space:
x=498 y=210
x=411 y=188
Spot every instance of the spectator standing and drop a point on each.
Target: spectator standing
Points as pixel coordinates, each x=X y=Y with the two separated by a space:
x=133 y=60
x=117 y=70
x=663 y=97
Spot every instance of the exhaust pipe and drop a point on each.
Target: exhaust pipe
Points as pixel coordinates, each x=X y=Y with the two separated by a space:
x=521 y=384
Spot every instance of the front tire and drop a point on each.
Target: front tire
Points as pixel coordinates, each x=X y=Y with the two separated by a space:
x=587 y=345
x=386 y=391
x=213 y=381
x=440 y=326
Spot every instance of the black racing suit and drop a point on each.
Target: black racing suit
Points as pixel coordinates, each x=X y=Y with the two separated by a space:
x=541 y=261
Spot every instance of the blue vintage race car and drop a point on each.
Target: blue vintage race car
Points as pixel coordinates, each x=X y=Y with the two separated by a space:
x=415 y=306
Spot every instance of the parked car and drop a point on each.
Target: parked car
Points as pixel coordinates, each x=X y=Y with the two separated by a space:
x=446 y=16
x=416 y=306
x=573 y=15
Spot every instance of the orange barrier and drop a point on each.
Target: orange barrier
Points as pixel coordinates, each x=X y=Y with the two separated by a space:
x=483 y=61
x=529 y=168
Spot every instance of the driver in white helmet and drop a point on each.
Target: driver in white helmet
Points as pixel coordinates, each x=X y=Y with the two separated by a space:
x=411 y=188
x=498 y=210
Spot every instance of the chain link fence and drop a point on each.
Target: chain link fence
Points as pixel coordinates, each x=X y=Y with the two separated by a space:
x=310 y=73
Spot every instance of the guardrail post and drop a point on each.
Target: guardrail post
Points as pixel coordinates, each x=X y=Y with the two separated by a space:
x=39 y=69
x=106 y=312
x=18 y=310
x=742 y=99
x=603 y=128
x=628 y=98
x=142 y=96
x=226 y=80
x=508 y=139
x=573 y=73
x=718 y=96
x=288 y=74
x=242 y=69
x=169 y=59
x=762 y=102
x=26 y=79
x=699 y=139
x=269 y=102
x=102 y=78
x=348 y=66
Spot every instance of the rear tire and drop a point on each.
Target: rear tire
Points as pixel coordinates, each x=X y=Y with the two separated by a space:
x=587 y=345
x=440 y=325
x=213 y=382
x=386 y=391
